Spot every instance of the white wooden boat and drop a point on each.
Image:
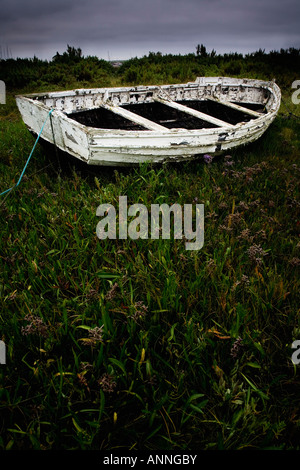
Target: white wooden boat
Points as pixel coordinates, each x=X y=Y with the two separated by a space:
x=129 y=125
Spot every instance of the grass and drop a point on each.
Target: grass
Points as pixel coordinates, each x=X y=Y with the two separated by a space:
x=140 y=344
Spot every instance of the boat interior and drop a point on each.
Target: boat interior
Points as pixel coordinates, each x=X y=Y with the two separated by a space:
x=163 y=108
x=166 y=116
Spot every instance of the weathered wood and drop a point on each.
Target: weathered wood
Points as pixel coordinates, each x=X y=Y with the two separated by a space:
x=251 y=112
x=152 y=126
x=194 y=112
x=154 y=143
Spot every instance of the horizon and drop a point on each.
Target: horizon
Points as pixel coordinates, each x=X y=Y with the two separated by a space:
x=8 y=55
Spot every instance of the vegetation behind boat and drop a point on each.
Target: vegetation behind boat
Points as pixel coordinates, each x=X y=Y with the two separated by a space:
x=72 y=70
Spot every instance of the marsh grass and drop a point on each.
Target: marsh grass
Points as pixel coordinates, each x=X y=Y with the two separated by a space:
x=142 y=344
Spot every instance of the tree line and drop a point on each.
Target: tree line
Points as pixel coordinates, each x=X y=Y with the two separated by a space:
x=73 y=69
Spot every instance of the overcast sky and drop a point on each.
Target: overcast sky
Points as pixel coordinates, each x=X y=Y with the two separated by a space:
x=121 y=29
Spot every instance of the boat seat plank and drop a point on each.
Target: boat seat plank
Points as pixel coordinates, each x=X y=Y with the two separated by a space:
x=232 y=105
x=193 y=112
x=153 y=126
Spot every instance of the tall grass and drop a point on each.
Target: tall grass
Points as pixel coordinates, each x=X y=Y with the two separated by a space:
x=140 y=344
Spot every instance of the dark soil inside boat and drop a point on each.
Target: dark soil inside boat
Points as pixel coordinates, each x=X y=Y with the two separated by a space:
x=104 y=119
x=164 y=115
x=168 y=117
x=221 y=111
x=156 y=112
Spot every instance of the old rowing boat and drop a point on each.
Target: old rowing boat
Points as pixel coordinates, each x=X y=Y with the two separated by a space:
x=129 y=125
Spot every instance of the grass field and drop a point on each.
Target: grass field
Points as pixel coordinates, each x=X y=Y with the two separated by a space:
x=141 y=344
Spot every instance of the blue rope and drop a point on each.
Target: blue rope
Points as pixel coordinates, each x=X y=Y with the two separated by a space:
x=22 y=174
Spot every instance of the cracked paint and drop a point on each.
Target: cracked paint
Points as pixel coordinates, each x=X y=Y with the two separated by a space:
x=136 y=135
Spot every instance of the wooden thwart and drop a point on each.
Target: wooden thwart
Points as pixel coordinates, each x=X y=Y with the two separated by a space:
x=194 y=112
x=251 y=112
x=135 y=118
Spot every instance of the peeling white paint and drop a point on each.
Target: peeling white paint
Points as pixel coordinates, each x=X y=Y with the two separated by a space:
x=156 y=143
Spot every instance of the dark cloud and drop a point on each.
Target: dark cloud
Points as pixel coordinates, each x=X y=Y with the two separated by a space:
x=124 y=28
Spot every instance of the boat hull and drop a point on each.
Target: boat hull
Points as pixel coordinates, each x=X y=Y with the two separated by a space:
x=152 y=141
